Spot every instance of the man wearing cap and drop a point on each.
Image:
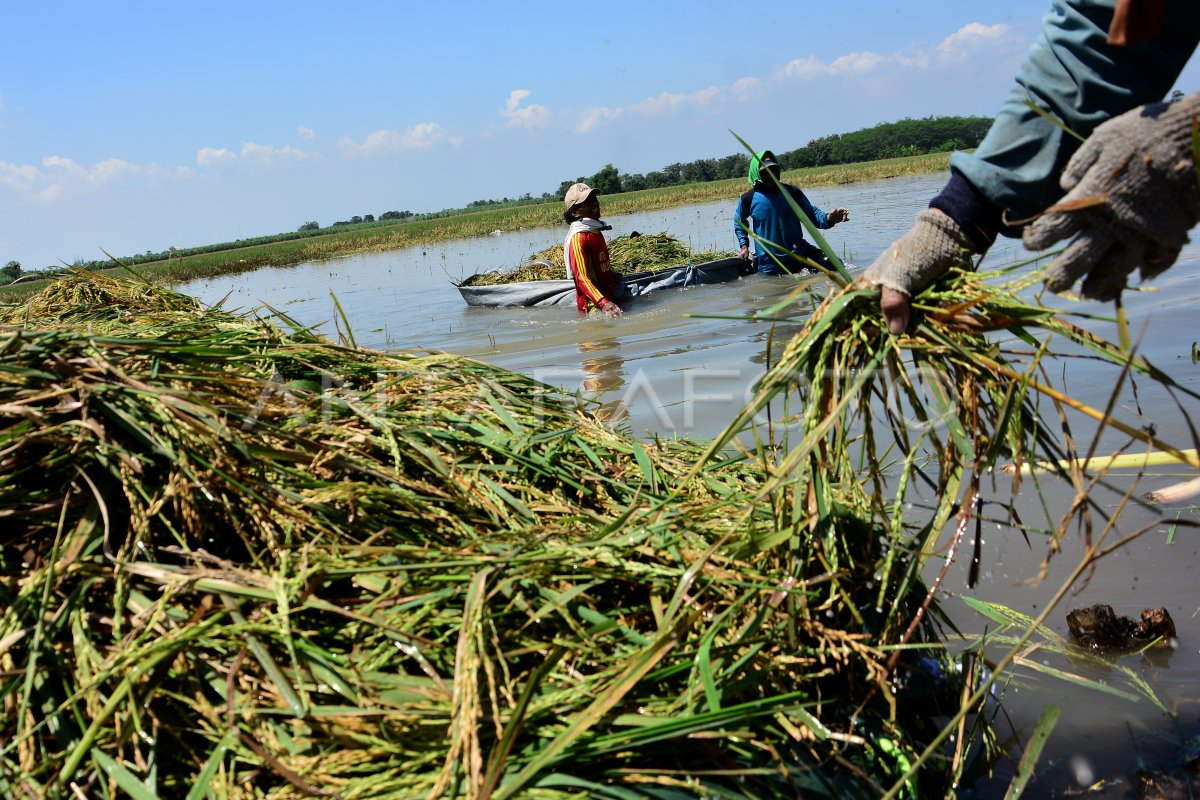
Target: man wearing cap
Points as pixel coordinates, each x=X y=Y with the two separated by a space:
x=586 y=253
x=779 y=234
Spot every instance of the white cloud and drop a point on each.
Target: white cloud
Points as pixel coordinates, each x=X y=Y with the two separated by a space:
x=590 y=118
x=804 y=69
x=746 y=88
x=416 y=137
x=61 y=175
x=971 y=39
x=18 y=177
x=58 y=176
x=307 y=134
x=996 y=42
x=208 y=156
x=530 y=116
x=266 y=155
x=661 y=104
x=669 y=102
x=856 y=63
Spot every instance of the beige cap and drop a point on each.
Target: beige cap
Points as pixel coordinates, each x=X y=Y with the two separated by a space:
x=577 y=194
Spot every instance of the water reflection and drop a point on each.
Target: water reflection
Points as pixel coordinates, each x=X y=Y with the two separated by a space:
x=603 y=375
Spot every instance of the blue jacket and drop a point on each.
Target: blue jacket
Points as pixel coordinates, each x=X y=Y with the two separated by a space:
x=776 y=222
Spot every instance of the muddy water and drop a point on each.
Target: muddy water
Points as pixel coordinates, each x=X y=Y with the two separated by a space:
x=683 y=363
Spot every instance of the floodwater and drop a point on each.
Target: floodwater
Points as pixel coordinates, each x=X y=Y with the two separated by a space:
x=683 y=363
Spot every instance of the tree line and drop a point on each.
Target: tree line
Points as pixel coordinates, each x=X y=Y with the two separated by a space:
x=907 y=137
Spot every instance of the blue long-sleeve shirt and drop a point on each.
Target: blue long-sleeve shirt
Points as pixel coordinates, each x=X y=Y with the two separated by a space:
x=774 y=221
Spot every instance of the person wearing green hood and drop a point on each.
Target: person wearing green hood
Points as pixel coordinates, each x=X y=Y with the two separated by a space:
x=780 y=246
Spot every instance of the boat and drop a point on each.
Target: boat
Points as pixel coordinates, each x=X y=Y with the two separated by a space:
x=637 y=284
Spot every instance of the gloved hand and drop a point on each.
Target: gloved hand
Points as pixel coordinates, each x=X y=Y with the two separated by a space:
x=1132 y=196
x=837 y=215
x=933 y=245
x=610 y=309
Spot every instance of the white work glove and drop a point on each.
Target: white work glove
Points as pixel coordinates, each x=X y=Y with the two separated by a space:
x=933 y=245
x=1132 y=196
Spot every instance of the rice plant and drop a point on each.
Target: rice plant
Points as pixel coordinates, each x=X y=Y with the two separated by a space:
x=240 y=561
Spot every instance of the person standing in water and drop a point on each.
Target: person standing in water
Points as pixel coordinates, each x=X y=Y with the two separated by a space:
x=586 y=253
x=779 y=243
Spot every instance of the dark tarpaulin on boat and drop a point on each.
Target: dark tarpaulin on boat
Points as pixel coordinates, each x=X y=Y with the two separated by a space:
x=553 y=293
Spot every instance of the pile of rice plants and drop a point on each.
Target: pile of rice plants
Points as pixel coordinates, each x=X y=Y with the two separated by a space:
x=629 y=254
x=239 y=560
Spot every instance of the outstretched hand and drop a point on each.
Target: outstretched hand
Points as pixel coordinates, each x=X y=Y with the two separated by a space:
x=837 y=215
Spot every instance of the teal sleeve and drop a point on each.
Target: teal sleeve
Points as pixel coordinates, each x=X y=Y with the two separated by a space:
x=740 y=216
x=1073 y=73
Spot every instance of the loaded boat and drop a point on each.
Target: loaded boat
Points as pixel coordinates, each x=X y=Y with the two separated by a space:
x=636 y=284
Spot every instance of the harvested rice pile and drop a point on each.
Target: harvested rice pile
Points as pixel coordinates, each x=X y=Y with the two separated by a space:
x=241 y=561
x=629 y=254
x=238 y=560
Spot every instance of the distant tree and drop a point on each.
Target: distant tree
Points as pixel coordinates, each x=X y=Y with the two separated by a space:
x=368 y=217
x=356 y=220
x=11 y=271
x=734 y=166
x=700 y=171
x=310 y=226
x=606 y=181
x=562 y=187
x=657 y=179
x=634 y=182
x=672 y=174
x=395 y=215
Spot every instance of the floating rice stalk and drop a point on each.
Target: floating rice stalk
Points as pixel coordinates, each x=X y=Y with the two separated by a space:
x=1176 y=492
x=1115 y=461
x=1032 y=751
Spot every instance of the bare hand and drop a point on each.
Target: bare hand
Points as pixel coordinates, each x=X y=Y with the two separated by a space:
x=934 y=245
x=896 y=308
x=744 y=253
x=838 y=215
x=610 y=309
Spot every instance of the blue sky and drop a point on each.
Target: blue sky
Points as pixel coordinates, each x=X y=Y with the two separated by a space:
x=135 y=126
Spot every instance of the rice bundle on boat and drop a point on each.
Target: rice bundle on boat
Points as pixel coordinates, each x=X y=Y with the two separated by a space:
x=645 y=262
